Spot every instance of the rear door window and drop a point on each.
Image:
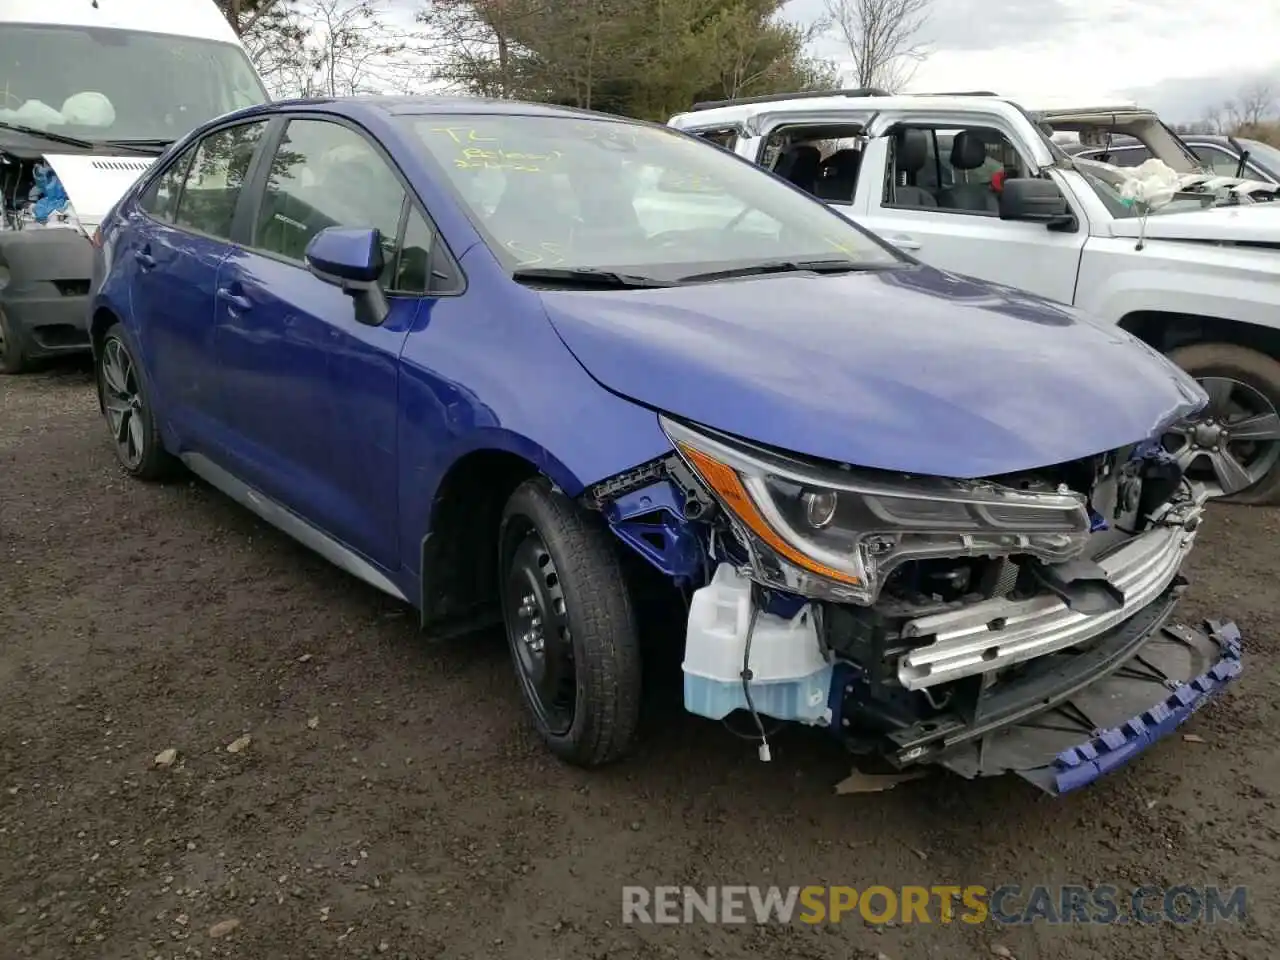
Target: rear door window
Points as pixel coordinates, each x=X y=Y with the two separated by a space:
x=161 y=198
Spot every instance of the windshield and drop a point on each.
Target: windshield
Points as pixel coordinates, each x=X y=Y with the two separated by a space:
x=1107 y=182
x=101 y=84
x=1266 y=155
x=579 y=194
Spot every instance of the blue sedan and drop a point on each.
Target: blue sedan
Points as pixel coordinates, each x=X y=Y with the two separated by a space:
x=587 y=378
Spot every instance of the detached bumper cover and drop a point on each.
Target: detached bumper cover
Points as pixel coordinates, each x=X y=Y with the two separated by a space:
x=1081 y=765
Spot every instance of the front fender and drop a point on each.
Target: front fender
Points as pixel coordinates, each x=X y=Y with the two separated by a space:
x=1200 y=279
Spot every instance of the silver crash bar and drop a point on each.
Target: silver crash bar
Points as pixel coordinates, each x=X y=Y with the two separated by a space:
x=997 y=633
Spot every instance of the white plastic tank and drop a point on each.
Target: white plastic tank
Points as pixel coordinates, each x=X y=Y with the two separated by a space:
x=791 y=678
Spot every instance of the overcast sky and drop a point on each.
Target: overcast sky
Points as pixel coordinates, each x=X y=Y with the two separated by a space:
x=1178 y=57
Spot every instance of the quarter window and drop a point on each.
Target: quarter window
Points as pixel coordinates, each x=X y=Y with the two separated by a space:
x=218 y=171
x=161 y=198
x=413 y=268
x=327 y=175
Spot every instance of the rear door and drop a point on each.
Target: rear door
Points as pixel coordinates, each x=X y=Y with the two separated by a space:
x=312 y=393
x=182 y=235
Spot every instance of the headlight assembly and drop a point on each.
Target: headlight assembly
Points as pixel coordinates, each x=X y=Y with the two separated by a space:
x=837 y=533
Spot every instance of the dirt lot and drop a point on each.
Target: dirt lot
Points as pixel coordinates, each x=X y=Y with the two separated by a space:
x=392 y=801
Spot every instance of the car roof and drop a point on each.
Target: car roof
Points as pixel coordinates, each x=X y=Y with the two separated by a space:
x=433 y=105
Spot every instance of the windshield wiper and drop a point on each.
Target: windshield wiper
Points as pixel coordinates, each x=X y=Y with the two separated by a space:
x=154 y=145
x=46 y=135
x=790 y=266
x=587 y=277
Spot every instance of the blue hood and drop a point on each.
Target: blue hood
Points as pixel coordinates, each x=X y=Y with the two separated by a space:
x=910 y=369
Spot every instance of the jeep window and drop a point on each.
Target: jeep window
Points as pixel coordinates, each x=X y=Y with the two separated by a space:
x=578 y=194
x=101 y=84
x=953 y=173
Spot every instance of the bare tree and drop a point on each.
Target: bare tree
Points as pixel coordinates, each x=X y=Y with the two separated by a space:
x=348 y=47
x=881 y=36
x=1256 y=104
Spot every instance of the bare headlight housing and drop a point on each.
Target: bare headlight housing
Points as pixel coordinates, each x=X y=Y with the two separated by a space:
x=837 y=533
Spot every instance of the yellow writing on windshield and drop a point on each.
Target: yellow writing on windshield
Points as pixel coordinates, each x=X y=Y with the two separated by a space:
x=477 y=158
x=844 y=248
x=463 y=135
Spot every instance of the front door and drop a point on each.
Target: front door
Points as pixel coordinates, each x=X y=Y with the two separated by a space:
x=312 y=393
x=940 y=206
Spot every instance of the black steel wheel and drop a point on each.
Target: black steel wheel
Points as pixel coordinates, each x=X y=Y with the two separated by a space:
x=570 y=625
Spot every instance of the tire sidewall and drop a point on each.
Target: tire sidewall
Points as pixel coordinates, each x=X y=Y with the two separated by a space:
x=14 y=359
x=152 y=461
x=526 y=509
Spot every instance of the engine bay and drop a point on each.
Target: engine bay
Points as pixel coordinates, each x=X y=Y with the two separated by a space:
x=31 y=195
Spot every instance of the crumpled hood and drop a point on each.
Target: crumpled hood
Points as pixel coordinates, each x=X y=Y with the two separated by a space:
x=910 y=370
x=94 y=183
x=1248 y=222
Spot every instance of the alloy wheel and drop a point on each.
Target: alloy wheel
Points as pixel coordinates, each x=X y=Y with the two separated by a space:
x=122 y=401
x=1234 y=442
x=538 y=630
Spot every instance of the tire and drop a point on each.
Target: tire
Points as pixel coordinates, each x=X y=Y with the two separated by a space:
x=1255 y=371
x=127 y=411
x=560 y=569
x=13 y=354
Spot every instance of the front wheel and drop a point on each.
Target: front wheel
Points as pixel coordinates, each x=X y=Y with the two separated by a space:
x=13 y=354
x=570 y=624
x=1233 y=446
x=128 y=411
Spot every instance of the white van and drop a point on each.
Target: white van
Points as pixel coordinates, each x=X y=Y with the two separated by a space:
x=91 y=92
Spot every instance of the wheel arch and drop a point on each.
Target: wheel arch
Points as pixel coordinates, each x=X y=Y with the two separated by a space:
x=1166 y=330
x=458 y=569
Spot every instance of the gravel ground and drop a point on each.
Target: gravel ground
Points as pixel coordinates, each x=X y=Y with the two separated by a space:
x=391 y=800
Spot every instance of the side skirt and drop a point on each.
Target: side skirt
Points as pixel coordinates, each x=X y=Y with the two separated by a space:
x=288 y=522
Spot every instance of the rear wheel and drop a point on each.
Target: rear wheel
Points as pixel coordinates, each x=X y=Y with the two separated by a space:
x=1233 y=446
x=128 y=411
x=13 y=354
x=570 y=625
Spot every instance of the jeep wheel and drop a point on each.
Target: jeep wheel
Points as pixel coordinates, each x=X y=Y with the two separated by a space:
x=570 y=625
x=1234 y=445
x=13 y=356
x=128 y=412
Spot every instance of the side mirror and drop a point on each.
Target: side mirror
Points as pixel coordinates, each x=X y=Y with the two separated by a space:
x=1034 y=200
x=351 y=259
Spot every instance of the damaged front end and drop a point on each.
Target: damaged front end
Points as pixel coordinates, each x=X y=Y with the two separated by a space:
x=1009 y=624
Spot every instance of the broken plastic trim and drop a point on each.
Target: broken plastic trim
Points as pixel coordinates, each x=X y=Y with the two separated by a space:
x=1113 y=747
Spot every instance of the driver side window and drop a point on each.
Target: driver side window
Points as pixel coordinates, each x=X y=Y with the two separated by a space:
x=325 y=174
x=951 y=170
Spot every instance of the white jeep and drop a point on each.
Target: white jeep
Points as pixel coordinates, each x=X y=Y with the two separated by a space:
x=973 y=184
